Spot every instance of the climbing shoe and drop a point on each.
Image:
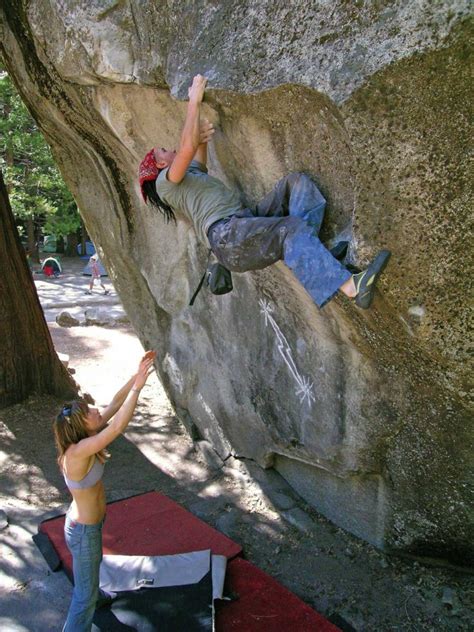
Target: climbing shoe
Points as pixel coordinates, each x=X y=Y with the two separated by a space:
x=366 y=281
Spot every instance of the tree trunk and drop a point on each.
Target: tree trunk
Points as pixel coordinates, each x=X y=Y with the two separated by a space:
x=8 y=144
x=28 y=361
x=83 y=239
x=31 y=235
x=72 y=241
x=60 y=245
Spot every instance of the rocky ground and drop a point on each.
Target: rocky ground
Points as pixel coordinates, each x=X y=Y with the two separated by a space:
x=350 y=582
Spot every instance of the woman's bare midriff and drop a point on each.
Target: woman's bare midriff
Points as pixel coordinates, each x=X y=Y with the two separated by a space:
x=88 y=505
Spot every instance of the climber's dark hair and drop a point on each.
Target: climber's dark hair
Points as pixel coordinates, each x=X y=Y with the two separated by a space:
x=149 y=188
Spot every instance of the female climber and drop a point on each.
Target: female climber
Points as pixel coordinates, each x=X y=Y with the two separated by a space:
x=284 y=225
x=82 y=434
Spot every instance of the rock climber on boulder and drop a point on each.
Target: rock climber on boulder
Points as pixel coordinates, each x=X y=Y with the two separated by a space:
x=284 y=225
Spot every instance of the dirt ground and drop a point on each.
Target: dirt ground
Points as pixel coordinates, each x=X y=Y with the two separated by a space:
x=351 y=583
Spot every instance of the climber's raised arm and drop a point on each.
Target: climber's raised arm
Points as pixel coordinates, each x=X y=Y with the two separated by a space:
x=190 y=136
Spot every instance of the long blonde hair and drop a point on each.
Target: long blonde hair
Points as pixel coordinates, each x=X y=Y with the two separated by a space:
x=69 y=427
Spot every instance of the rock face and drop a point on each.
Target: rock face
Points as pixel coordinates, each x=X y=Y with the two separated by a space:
x=365 y=414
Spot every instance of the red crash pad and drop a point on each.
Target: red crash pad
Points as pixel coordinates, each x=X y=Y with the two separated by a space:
x=152 y=524
x=264 y=605
x=148 y=524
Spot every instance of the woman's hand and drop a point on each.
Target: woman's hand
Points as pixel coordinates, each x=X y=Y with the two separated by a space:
x=206 y=130
x=196 y=91
x=145 y=368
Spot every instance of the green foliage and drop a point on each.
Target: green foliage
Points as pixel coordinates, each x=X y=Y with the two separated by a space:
x=35 y=185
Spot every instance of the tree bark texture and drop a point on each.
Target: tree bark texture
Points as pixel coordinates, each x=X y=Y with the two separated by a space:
x=28 y=361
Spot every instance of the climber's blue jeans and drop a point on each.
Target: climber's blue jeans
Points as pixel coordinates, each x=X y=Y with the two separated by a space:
x=85 y=544
x=284 y=227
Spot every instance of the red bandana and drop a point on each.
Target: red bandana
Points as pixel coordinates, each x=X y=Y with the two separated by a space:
x=148 y=170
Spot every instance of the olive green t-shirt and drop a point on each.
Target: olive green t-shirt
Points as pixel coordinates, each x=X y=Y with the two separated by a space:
x=199 y=196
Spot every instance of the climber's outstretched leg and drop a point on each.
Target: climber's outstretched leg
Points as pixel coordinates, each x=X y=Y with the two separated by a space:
x=244 y=242
x=297 y=195
x=313 y=265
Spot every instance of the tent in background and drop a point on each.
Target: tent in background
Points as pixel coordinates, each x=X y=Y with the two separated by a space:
x=51 y=266
x=49 y=243
x=90 y=250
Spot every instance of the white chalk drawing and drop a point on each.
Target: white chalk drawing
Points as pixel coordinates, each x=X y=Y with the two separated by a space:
x=304 y=386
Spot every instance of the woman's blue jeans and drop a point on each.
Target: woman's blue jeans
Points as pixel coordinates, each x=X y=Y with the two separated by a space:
x=85 y=544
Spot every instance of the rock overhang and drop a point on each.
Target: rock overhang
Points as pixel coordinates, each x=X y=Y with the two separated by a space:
x=368 y=407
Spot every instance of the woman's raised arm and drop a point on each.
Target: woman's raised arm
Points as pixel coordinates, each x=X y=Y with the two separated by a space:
x=95 y=443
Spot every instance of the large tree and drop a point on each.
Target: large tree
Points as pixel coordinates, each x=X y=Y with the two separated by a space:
x=28 y=361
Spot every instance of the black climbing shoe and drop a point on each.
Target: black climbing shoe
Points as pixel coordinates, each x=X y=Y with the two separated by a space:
x=339 y=251
x=366 y=281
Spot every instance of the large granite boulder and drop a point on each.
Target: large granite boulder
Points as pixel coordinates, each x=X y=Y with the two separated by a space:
x=364 y=413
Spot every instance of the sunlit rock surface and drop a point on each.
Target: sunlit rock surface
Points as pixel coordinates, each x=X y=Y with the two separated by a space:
x=365 y=413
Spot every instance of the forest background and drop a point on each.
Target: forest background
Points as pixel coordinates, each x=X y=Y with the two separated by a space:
x=41 y=203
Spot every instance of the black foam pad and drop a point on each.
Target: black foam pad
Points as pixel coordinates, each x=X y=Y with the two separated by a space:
x=43 y=542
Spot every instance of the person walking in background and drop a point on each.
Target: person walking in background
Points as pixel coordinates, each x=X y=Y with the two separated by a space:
x=95 y=274
x=82 y=435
